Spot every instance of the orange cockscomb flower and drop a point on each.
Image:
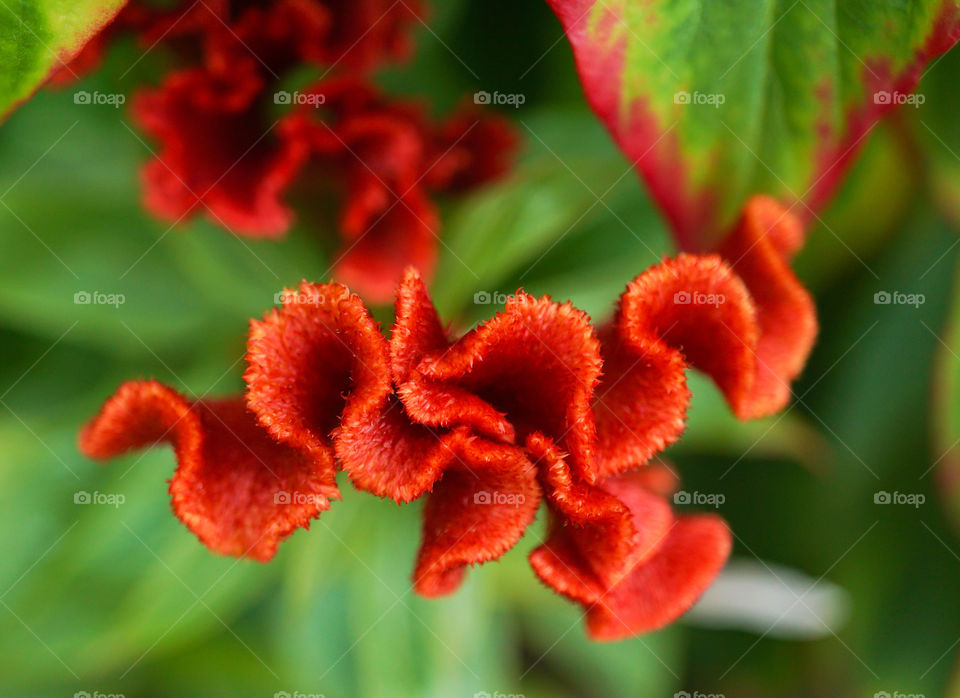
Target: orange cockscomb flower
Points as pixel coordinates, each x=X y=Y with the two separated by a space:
x=533 y=406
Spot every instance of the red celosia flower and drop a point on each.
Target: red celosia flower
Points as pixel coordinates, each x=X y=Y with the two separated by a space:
x=533 y=404
x=216 y=153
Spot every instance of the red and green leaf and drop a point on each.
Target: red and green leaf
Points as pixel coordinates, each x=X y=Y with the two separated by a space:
x=41 y=36
x=781 y=95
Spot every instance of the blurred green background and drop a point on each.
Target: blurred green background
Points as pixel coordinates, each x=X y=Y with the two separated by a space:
x=124 y=600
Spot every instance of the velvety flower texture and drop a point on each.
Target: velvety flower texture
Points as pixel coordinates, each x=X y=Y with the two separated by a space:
x=232 y=138
x=535 y=406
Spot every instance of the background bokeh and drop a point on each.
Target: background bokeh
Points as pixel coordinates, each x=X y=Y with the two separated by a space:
x=124 y=600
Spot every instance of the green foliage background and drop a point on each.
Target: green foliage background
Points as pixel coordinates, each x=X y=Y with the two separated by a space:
x=125 y=600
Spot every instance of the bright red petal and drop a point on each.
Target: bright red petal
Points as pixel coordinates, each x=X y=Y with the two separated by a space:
x=759 y=251
x=314 y=365
x=663 y=588
x=641 y=403
x=536 y=363
x=389 y=456
x=236 y=488
x=594 y=541
x=617 y=548
x=417 y=330
x=478 y=510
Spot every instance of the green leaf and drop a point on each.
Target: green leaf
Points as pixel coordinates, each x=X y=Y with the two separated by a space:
x=41 y=36
x=946 y=396
x=715 y=100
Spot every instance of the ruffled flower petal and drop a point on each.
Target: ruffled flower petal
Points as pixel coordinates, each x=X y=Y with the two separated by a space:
x=690 y=310
x=316 y=365
x=593 y=540
x=663 y=588
x=640 y=405
x=216 y=153
x=531 y=368
x=236 y=488
x=479 y=509
x=759 y=251
x=417 y=330
x=617 y=549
